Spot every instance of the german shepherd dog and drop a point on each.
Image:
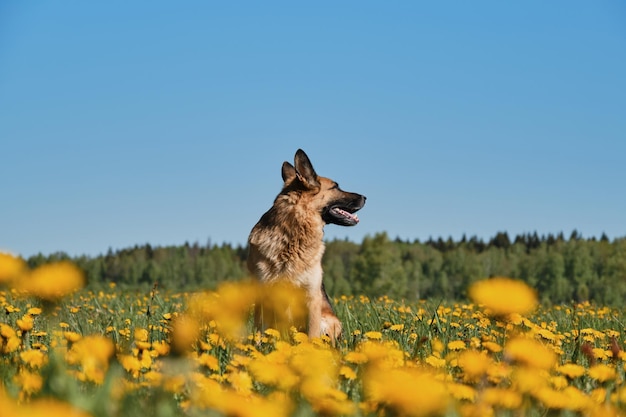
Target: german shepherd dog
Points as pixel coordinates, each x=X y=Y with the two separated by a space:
x=286 y=245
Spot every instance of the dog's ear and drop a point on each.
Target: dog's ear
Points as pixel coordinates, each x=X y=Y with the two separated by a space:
x=304 y=170
x=288 y=172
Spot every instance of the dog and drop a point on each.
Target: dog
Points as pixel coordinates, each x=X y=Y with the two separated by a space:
x=286 y=245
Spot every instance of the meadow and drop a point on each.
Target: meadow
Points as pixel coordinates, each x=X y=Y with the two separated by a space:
x=68 y=350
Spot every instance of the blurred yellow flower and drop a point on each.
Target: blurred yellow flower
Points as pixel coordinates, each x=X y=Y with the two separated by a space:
x=209 y=361
x=530 y=352
x=347 y=372
x=29 y=382
x=502 y=397
x=141 y=335
x=406 y=392
x=34 y=311
x=374 y=335
x=34 y=358
x=92 y=354
x=456 y=345
x=492 y=347
x=571 y=370
x=435 y=361
x=11 y=267
x=47 y=407
x=602 y=372
x=72 y=337
x=185 y=331
x=9 y=341
x=53 y=281
x=474 y=364
x=503 y=296
x=25 y=323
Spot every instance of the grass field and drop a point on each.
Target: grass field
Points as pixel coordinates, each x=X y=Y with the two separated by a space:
x=114 y=352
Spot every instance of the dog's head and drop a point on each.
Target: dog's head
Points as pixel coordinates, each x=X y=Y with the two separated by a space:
x=321 y=194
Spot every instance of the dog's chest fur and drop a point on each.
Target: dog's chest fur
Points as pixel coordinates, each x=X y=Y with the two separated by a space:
x=286 y=244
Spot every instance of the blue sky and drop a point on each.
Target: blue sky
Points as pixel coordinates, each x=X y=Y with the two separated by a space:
x=126 y=123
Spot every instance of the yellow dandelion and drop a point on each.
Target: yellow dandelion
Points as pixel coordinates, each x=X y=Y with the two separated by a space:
x=356 y=357
x=602 y=372
x=299 y=337
x=209 y=361
x=29 y=382
x=130 y=363
x=435 y=361
x=530 y=352
x=529 y=380
x=34 y=358
x=474 y=364
x=347 y=372
x=185 y=331
x=161 y=348
x=46 y=407
x=374 y=335
x=241 y=381
x=34 y=311
x=559 y=382
x=406 y=391
x=143 y=345
x=53 y=281
x=9 y=341
x=601 y=354
x=571 y=370
x=504 y=296
x=141 y=335
x=456 y=345
x=92 y=354
x=273 y=333
x=11 y=267
x=492 y=347
x=397 y=327
x=462 y=392
x=502 y=397
x=25 y=323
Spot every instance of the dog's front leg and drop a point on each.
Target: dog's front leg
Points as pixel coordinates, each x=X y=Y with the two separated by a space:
x=315 y=302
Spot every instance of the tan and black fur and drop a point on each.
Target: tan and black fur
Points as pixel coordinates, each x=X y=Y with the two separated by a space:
x=286 y=245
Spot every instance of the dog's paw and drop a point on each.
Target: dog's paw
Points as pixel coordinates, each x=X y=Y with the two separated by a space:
x=331 y=327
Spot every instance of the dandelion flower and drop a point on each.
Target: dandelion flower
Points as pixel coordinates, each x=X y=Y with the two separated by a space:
x=53 y=281
x=571 y=370
x=474 y=364
x=530 y=352
x=504 y=296
x=9 y=341
x=25 y=323
x=374 y=335
x=502 y=397
x=11 y=267
x=406 y=392
x=492 y=347
x=602 y=372
x=456 y=345
x=29 y=382
x=92 y=354
x=347 y=372
x=34 y=358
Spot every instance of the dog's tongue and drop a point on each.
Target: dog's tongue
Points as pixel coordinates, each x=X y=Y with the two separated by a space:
x=348 y=215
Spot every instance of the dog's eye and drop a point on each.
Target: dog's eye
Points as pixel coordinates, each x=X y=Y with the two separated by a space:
x=334 y=186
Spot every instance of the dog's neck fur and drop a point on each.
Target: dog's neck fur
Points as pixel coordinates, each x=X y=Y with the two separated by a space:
x=295 y=244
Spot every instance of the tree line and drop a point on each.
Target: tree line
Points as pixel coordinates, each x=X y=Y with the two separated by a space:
x=561 y=269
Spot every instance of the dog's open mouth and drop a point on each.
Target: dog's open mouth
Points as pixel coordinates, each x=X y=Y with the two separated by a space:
x=342 y=216
x=339 y=212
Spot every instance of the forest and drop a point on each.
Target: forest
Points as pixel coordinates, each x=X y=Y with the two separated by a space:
x=562 y=270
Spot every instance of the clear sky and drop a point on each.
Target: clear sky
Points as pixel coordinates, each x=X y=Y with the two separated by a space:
x=161 y=122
